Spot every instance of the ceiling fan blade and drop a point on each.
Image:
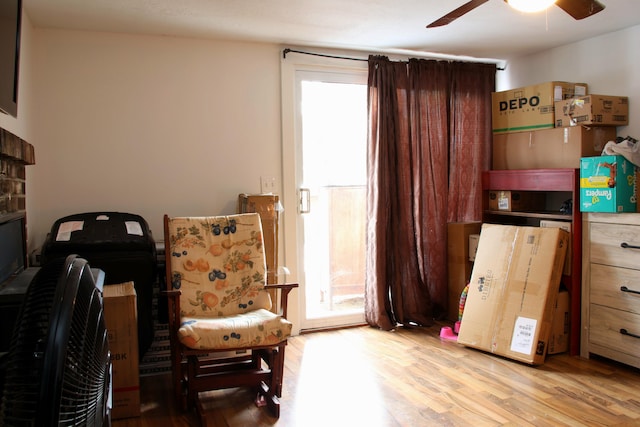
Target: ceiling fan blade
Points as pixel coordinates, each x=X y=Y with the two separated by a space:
x=580 y=9
x=457 y=13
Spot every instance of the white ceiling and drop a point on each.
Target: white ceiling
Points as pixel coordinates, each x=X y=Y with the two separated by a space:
x=493 y=30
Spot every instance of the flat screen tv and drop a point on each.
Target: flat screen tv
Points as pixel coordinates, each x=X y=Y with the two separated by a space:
x=10 y=21
x=12 y=245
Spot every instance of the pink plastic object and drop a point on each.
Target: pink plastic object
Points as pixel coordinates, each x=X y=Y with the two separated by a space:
x=456 y=327
x=447 y=334
x=260 y=401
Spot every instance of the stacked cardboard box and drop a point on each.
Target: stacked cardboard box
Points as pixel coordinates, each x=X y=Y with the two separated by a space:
x=549 y=148
x=598 y=110
x=525 y=137
x=531 y=107
x=513 y=291
x=542 y=126
x=607 y=184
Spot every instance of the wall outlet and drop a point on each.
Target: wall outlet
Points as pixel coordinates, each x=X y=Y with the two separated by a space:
x=267 y=184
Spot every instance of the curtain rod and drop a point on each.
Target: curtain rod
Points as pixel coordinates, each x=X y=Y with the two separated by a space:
x=324 y=55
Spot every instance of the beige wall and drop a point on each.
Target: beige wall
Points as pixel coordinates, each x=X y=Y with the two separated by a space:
x=149 y=125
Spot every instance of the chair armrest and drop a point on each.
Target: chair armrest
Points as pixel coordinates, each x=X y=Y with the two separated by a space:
x=171 y=294
x=284 y=288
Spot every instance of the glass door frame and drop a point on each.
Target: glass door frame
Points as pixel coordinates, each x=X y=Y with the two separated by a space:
x=293 y=246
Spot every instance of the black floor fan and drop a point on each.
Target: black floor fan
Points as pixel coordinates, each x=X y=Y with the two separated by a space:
x=58 y=368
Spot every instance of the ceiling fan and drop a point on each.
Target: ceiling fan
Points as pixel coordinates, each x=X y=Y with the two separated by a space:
x=578 y=9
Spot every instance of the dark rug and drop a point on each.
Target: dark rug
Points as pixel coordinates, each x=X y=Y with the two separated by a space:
x=157 y=359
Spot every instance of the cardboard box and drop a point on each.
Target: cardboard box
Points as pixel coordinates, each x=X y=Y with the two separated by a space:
x=458 y=264
x=268 y=206
x=635 y=188
x=473 y=246
x=516 y=201
x=549 y=148
x=560 y=327
x=513 y=291
x=565 y=225
x=598 y=110
x=531 y=107
x=607 y=184
x=120 y=316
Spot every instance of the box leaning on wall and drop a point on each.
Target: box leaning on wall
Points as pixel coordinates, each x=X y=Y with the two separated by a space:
x=513 y=291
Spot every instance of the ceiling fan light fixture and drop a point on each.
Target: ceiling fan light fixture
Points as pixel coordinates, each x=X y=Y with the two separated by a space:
x=530 y=6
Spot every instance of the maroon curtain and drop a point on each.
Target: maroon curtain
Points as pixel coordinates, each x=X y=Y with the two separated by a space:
x=418 y=124
x=470 y=142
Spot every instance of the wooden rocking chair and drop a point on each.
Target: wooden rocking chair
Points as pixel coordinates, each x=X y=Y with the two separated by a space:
x=223 y=330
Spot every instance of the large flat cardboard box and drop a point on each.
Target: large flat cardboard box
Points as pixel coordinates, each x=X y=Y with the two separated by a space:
x=596 y=110
x=459 y=265
x=549 y=148
x=513 y=290
x=607 y=184
x=565 y=225
x=120 y=316
x=530 y=107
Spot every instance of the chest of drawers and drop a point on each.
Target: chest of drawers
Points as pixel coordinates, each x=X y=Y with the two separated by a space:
x=611 y=287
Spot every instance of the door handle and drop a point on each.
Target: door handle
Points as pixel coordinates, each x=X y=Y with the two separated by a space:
x=623 y=331
x=631 y=291
x=304 y=200
x=625 y=245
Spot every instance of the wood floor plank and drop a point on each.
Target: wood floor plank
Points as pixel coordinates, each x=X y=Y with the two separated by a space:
x=410 y=377
x=477 y=409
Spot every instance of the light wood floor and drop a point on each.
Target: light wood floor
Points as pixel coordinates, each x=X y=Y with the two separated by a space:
x=410 y=377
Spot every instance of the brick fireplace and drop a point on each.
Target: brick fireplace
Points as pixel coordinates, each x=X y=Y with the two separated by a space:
x=15 y=155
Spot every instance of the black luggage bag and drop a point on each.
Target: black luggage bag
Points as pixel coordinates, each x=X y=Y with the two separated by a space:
x=121 y=245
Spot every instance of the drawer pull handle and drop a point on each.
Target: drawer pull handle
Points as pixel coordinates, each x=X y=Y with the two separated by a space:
x=623 y=331
x=625 y=245
x=631 y=291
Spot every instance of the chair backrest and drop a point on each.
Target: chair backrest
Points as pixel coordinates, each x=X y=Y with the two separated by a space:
x=218 y=264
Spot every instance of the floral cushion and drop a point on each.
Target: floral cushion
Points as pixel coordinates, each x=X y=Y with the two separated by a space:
x=218 y=264
x=258 y=327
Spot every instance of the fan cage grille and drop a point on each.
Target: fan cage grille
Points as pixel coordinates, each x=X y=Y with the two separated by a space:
x=60 y=334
